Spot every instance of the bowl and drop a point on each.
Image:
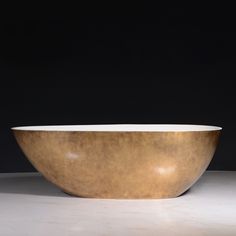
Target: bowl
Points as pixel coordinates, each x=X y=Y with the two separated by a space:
x=120 y=161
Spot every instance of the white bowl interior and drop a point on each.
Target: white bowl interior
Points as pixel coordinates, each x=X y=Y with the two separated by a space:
x=121 y=128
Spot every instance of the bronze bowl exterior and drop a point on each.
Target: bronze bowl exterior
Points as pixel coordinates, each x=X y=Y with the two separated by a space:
x=120 y=161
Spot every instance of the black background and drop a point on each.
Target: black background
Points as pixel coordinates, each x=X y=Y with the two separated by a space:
x=174 y=66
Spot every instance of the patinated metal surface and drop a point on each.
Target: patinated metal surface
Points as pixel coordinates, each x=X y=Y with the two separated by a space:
x=120 y=164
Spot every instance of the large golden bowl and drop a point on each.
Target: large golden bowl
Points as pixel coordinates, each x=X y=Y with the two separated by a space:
x=120 y=161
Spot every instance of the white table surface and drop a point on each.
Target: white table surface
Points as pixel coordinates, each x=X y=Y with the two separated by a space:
x=29 y=205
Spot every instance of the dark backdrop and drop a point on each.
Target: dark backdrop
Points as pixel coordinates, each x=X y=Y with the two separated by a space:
x=174 y=66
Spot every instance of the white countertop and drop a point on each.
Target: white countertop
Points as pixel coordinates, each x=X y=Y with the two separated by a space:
x=29 y=205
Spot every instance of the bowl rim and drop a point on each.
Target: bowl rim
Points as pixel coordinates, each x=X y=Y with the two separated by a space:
x=120 y=128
